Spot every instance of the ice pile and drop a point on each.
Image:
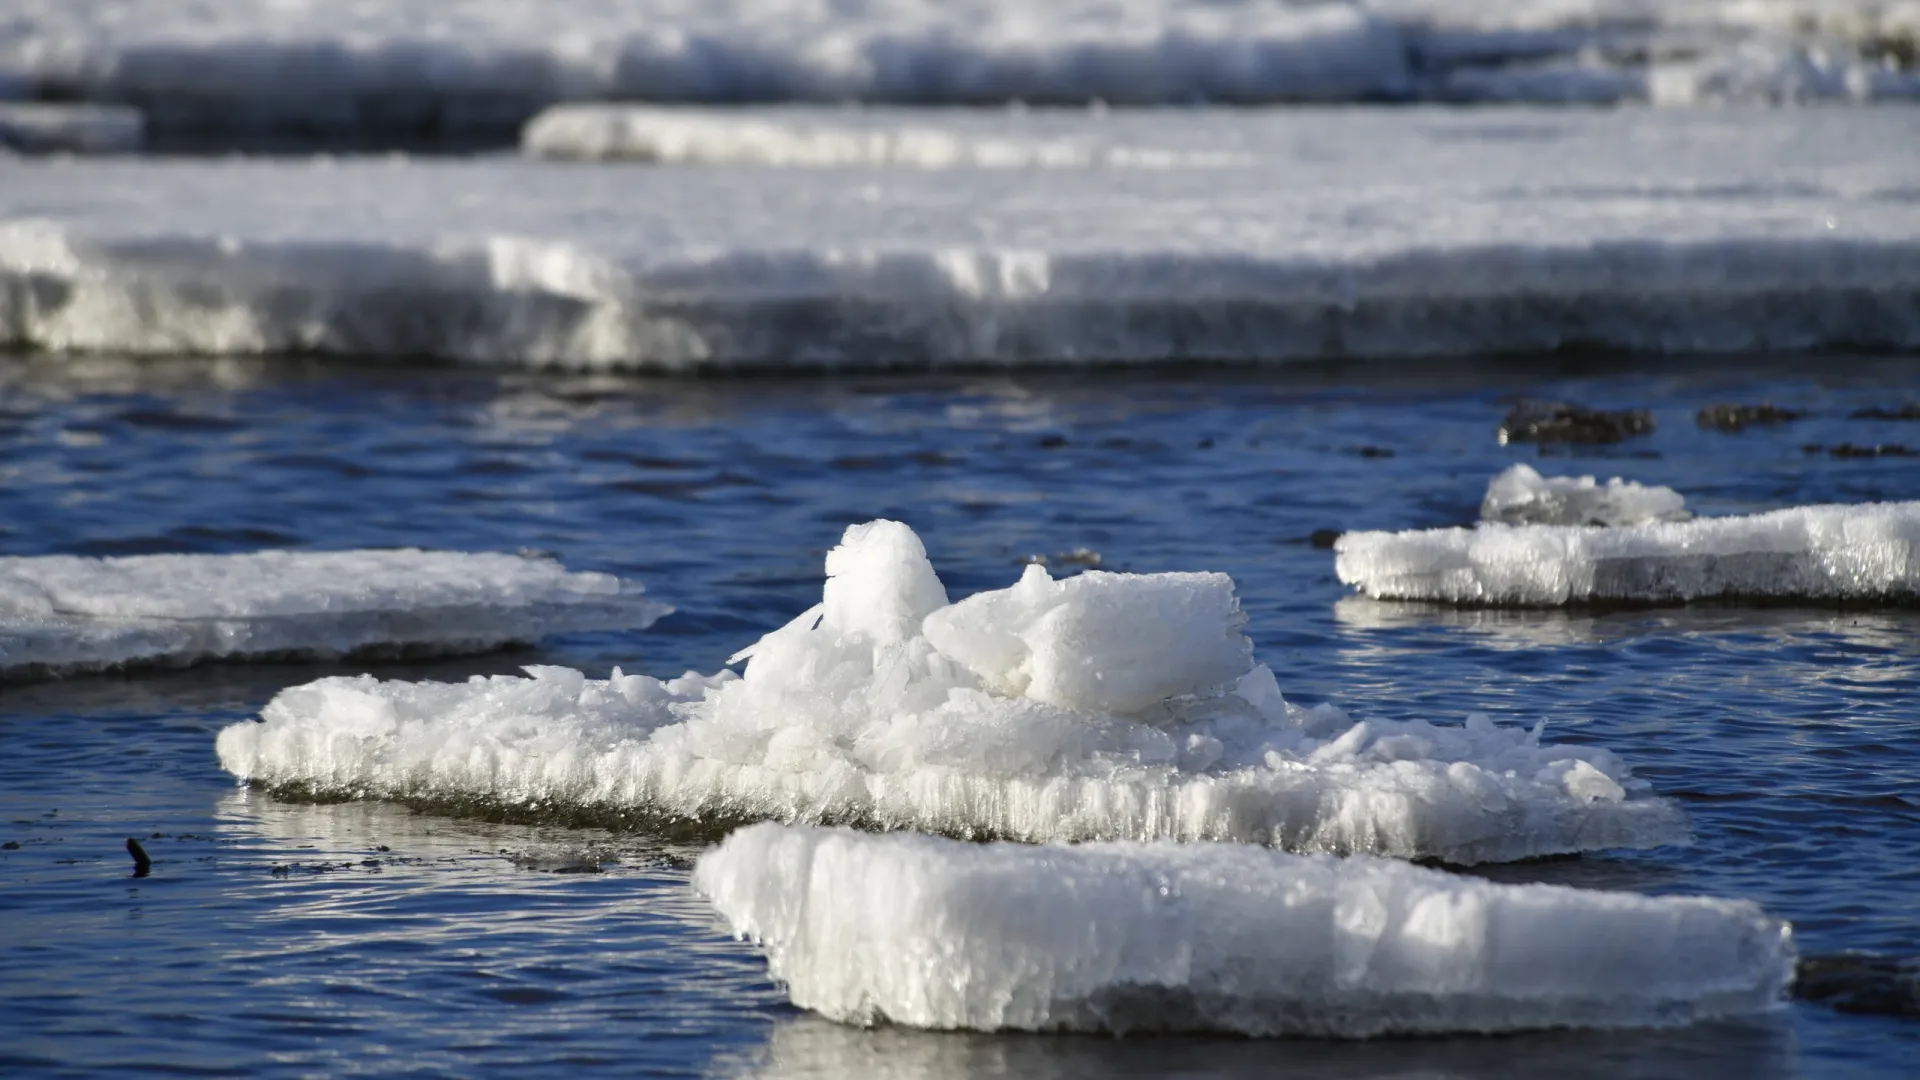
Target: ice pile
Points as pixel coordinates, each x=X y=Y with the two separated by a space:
x=62 y=613
x=1104 y=706
x=1868 y=553
x=892 y=138
x=1122 y=937
x=1521 y=496
x=70 y=129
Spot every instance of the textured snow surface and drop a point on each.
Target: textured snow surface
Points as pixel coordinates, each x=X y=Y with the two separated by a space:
x=71 y=613
x=1521 y=496
x=457 y=66
x=72 y=129
x=1121 y=937
x=1865 y=553
x=1667 y=232
x=1101 y=706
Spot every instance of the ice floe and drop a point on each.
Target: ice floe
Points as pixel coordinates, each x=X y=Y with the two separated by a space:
x=61 y=613
x=1103 y=706
x=1868 y=553
x=1124 y=937
x=1655 y=232
x=36 y=128
x=461 y=68
x=1521 y=496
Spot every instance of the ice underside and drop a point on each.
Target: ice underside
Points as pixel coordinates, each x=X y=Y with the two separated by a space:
x=61 y=613
x=1104 y=706
x=1127 y=937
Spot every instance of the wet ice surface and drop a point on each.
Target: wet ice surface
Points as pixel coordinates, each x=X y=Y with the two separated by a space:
x=1788 y=735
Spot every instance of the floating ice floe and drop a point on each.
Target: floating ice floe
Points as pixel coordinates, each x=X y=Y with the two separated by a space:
x=898 y=138
x=1521 y=496
x=38 y=128
x=1103 y=706
x=1123 y=937
x=1866 y=553
x=61 y=613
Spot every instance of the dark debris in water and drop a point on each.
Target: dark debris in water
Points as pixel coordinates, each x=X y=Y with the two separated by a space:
x=1324 y=539
x=1565 y=422
x=1861 y=983
x=1909 y=411
x=1734 y=418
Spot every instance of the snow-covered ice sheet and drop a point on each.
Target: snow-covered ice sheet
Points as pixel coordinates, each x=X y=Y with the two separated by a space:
x=62 y=613
x=1123 y=937
x=448 y=67
x=35 y=128
x=1100 y=706
x=1666 y=232
x=1868 y=553
x=1521 y=496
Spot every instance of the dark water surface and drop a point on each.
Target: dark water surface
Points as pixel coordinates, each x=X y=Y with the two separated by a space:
x=278 y=940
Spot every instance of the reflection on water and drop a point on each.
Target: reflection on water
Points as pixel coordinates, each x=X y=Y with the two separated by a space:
x=809 y=1048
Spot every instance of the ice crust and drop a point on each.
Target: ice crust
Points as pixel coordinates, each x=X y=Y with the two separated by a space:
x=457 y=67
x=1661 y=232
x=1127 y=937
x=62 y=613
x=1521 y=496
x=1105 y=706
x=1868 y=553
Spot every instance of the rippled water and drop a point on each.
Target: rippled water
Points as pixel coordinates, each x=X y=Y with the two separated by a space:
x=278 y=939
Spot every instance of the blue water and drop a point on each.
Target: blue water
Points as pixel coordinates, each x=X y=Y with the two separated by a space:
x=277 y=939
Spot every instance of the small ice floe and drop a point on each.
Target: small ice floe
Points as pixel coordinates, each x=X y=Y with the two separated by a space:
x=1868 y=553
x=1101 y=706
x=63 y=613
x=43 y=128
x=1521 y=496
x=1123 y=937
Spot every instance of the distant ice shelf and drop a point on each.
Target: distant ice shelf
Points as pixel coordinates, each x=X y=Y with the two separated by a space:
x=1867 y=553
x=61 y=613
x=1102 y=706
x=464 y=68
x=1254 y=237
x=1521 y=496
x=1127 y=937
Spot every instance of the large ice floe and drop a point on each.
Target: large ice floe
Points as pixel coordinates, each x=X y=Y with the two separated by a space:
x=1868 y=553
x=1103 y=706
x=1521 y=496
x=1311 y=236
x=457 y=68
x=62 y=613
x=1124 y=937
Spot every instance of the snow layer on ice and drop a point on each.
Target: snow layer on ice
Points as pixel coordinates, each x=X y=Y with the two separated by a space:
x=452 y=67
x=1848 y=553
x=1104 y=706
x=72 y=613
x=73 y=129
x=1122 y=937
x=1521 y=496
x=1668 y=232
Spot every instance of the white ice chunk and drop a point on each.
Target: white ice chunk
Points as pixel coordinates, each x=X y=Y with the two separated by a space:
x=1109 y=706
x=41 y=128
x=1868 y=552
x=1123 y=937
x=69 y=613
x=1521 y=496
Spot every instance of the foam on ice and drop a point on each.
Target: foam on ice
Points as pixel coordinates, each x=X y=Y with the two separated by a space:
x=62 y=613
x=1124 y=937
x=1521 y=496
x=1866 y=553
x=1104 y=706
